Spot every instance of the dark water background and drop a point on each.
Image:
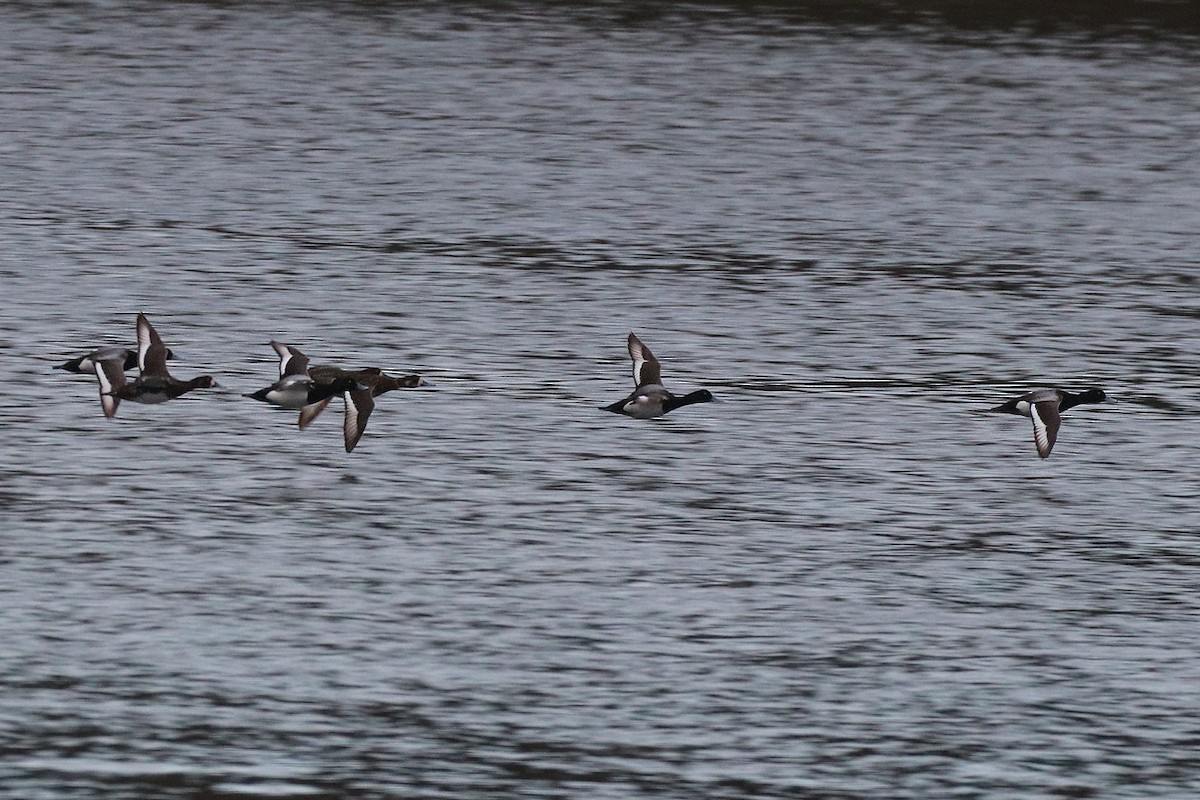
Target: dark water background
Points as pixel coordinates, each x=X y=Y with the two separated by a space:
x=858 y=225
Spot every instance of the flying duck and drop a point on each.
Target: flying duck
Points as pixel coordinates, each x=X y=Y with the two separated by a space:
x=650 y=398
x=360 y=402
x=1044 y=407
x=86 y=365
x=295 y=387
x=359 y=389
x=154 y=383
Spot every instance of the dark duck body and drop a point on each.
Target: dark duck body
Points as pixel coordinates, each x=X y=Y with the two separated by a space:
x=360 y=401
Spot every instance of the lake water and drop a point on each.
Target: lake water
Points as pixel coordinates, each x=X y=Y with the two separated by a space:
x=844 y=581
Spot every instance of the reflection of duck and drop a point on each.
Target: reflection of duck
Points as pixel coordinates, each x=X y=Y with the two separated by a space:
x=154 y=383
x=1044 y=407
x=650 y=398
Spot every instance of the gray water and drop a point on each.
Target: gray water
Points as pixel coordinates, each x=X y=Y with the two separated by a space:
x=843 y=581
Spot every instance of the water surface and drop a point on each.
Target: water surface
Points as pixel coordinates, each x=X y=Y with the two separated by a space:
x=843 y=581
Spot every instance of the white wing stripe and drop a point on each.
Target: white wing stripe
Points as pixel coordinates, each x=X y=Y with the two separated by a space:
x=1040 y=437
x=107 y=402
x=143 y=336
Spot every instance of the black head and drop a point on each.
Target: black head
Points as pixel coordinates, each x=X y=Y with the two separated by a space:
x=698 y=396
x=1088 y=396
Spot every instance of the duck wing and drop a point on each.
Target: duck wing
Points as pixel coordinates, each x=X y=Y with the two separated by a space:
x=152 y=353
x=359 y=405
x=1046 y=422
x=110 y=373
x=291 y=360
x=646 y=368
x=311 y=412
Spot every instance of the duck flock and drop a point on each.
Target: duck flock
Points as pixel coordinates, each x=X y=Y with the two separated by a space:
x=309 y=389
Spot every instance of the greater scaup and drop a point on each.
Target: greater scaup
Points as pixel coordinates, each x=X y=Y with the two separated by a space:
x=86 y=365
x=359 y=388
x=650 y=398
x=360 y=402
x=154 y=383
x=1044 y=407
x=295 y=388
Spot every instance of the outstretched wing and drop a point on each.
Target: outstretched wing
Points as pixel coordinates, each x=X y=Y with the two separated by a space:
x=359 y=405
x=291 y=360
x=110 y=372
x=645 y=366
x=1046 y=422
x=311 y=412
x=152 y=353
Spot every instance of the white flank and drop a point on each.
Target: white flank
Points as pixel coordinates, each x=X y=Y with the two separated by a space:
x=644 y=406
x=290 y=391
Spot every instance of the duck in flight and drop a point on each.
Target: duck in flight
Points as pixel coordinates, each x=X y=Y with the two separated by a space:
x=1045 y=407
x=359 y=389
x=295 y=388
x=360 y=402
x=86 y=365
x=154 y=383
x=650 y=398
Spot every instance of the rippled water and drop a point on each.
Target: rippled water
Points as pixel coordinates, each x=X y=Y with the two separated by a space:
x=844 y=581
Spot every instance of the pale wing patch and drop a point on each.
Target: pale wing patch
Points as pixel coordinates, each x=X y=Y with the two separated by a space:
x=152 y=353
x=637 y=353
x=291 y=360
x=359 y=406
x=311 y=412
x=285 y=355
x=143 y=337
x=1045 y=426
x=645 y=365
x=111 y=376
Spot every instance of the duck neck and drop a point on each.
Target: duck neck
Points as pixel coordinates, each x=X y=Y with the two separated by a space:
x=698 y=396
x=1071 y=400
